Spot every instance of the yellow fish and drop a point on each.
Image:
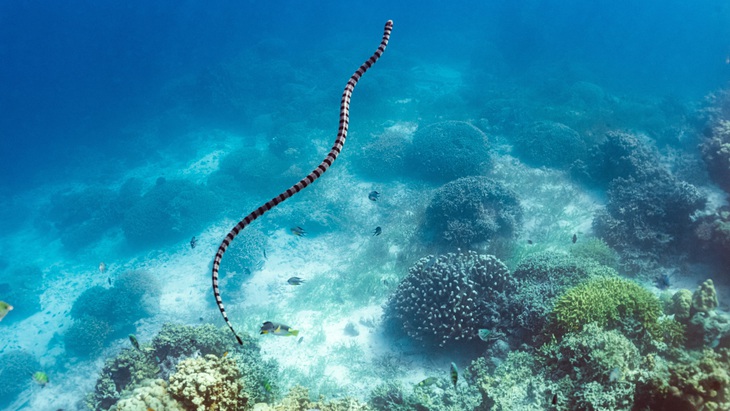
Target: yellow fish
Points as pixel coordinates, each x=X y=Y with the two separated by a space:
x=277 y=329
x=5 y=308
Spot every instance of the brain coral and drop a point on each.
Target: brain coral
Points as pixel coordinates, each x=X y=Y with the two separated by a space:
x=446 y=151
x=206 y=383
x=472 y=210
x=550 y=144
x=448 y=299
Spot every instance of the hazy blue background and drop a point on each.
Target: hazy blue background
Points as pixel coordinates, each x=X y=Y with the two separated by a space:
x=75 y=75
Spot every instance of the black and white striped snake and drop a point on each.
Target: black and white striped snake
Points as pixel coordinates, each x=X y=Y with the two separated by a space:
x=315 y=174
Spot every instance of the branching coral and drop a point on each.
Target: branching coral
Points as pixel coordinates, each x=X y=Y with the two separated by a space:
x=610 y=302
x=448 y=299
x=128 y=369
x=472 y=210
x=207 y=383
x=716 y=153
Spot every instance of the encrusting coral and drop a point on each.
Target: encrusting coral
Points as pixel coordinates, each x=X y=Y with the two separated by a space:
x=447 y=299
x=152 y=394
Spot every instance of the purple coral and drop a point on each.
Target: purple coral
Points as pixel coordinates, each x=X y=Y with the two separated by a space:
x=448 y=299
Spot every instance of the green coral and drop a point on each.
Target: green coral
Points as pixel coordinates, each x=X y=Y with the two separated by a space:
x=87 y=336
x=610 y=302
x=206 y=383
x=545 y=276
x=440 y=396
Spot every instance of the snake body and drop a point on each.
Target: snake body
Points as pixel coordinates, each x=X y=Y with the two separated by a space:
x=315 y=174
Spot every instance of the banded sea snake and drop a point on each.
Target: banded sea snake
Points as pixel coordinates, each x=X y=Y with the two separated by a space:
x=315 y=174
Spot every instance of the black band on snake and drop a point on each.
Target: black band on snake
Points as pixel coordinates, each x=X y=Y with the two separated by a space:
x=315 y=174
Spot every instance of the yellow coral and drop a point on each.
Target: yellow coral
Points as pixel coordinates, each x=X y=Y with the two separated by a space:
x=208 y=383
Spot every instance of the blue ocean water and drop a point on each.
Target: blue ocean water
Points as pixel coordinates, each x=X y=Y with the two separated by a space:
x=134 y=135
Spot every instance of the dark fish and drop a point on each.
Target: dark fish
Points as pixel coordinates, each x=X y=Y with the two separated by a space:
x=134 y=341
x=663 y=281
x=298 y=231
x=373 y=196
x=377 y=231
x=454 y=374
x=109 y=280
x=295 y=281
x=265 y=257
x=300 y=340
x=277 y=329
x=529 y=241
x=555 y=398
x=260 y=264
x=575 y=238
x=193 y=242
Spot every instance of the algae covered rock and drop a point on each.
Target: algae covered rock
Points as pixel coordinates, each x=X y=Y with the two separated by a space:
x=704 y=299
x=681 y=305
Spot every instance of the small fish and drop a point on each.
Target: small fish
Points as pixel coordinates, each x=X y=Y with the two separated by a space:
x=575 y=238
x=555 y=399
x=278 y=329
x=5 y=308
x=41 y=378
x=454 y=374
x=377 y=231
x=529 y=242
x=260 y=265
x=265 y=257
x=431 y=261
x=295 y=281
x=373 y=196
x=427 y=382
x=298 y=231
x=150 y=409
x=225 y=354
x=109 y=280
x=483 y=334
x=300 y=340
x=615 y=375
x=102 y=267
x=134 y=341
x=193 y=242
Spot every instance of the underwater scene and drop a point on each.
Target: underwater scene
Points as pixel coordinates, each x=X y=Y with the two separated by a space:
x=296 y=206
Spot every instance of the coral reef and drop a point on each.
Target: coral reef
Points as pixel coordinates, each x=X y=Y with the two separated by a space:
x=704 y=299
x=87 y=336
x=716 y=153
x=712 y=233
x=620 y=155
x=472 y=210
x=298 y=400
x=610 y=302
x=242 y=258
x=695 y=381
x=82 y=217
x=446 y=300
x=651 y=214
x=597 y=250
x=136 y=368
x=128 y=369
x=169 y=211
x=206 y=383
x=101 y=313
x=543 y=277
x=384 y=157
x=550 y=144
x=681 y=306
x=17 y=367
x=446 y=151
x=151 y=395
x=440 y=395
